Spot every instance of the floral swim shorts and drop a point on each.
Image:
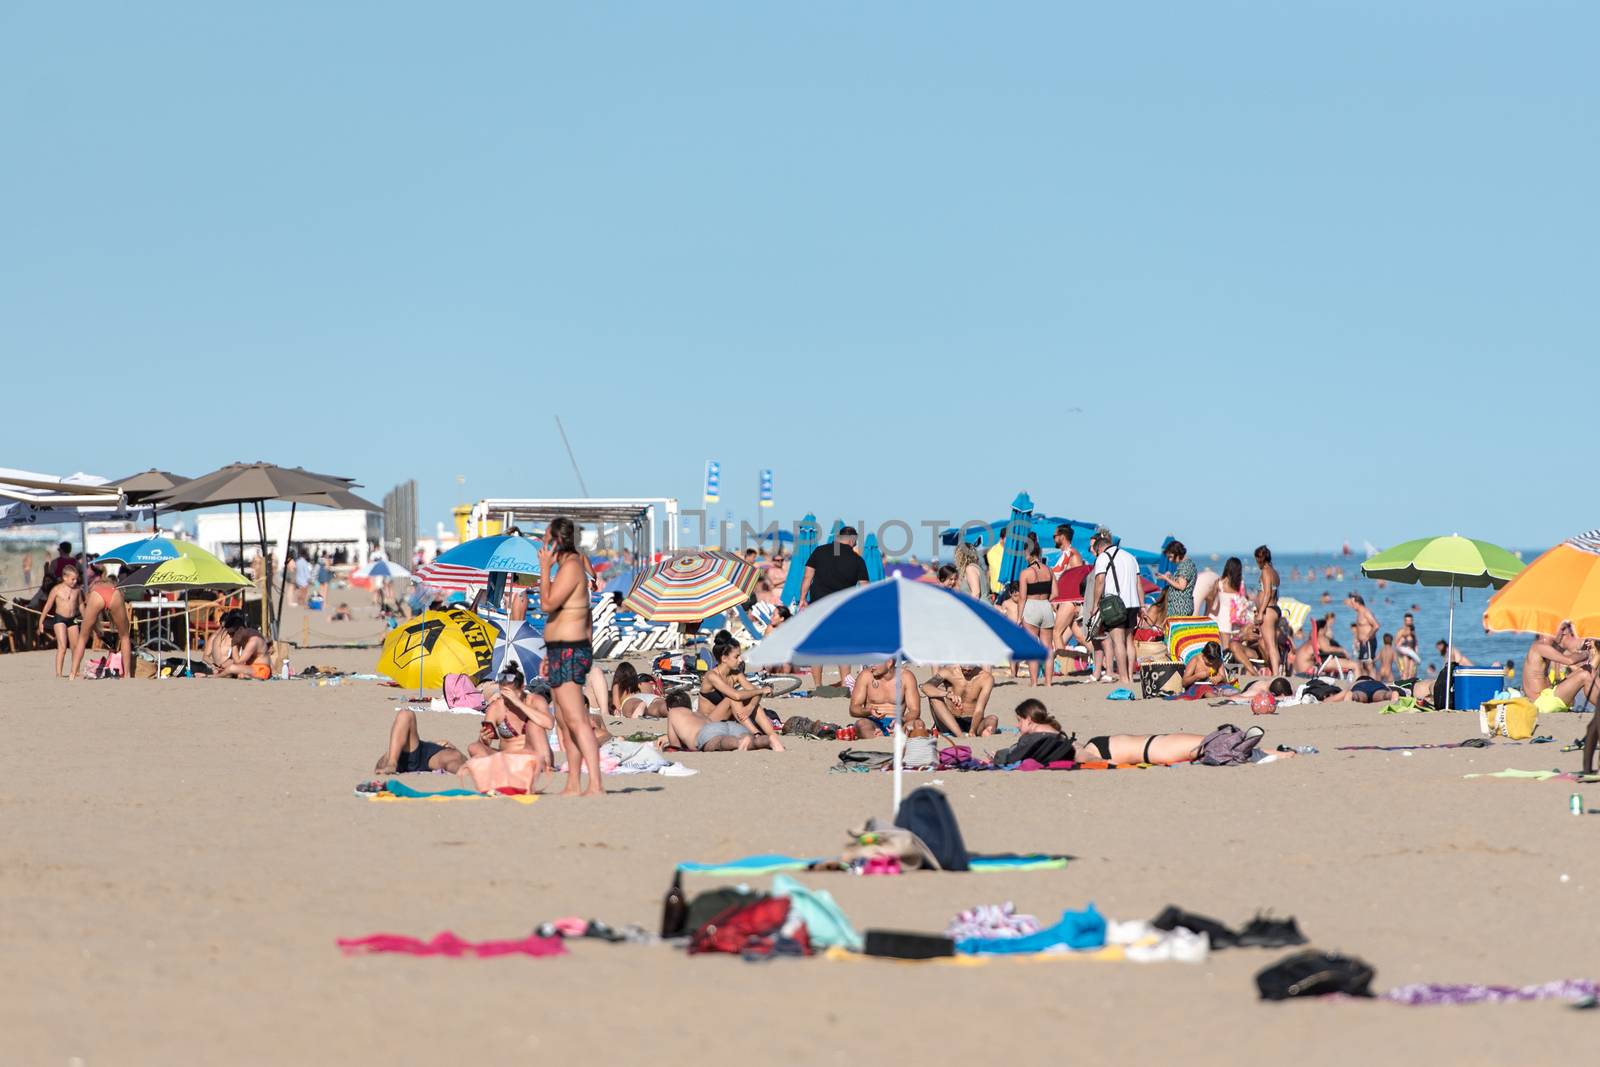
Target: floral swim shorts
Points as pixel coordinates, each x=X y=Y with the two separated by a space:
x=567 y=661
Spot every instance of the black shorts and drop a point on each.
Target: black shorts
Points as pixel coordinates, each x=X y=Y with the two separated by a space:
x=963 y=721
x=418 y=758
x=1367 y=651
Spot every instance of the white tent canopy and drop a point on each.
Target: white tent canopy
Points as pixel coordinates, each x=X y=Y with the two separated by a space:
x=31 y=499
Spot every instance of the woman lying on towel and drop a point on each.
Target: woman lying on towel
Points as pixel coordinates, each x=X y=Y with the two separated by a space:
x=630 y=700
x=1157 y=749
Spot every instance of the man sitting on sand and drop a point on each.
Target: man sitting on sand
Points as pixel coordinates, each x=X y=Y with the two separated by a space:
x=408 y=753
x=237 y=649
x=958 y=701
x=1549 y=654
x=872 y=702
x=688 y=729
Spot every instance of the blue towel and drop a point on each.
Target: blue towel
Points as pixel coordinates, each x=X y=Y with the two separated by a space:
x=1120 y=694
x=400 y=789
x=766 y=863
x=1077 y=930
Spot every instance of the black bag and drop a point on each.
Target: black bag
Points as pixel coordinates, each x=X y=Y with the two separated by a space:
x=899 y=945
x=1314 y=974
x=713 y=902
x=927 y=814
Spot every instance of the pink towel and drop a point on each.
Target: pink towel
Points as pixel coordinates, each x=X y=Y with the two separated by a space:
x=448 y=944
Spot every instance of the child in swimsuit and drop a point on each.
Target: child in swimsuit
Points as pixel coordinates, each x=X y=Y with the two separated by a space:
x=59 y=613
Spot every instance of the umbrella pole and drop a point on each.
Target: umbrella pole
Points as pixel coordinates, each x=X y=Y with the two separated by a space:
x=283 y=585
x=899 y=739
x=1450 y=656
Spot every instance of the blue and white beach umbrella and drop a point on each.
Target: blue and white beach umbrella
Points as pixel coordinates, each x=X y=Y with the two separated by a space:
x=524 y=646
x=382 y=568
x=903 y=622
x=139 y=553
x=503 y=552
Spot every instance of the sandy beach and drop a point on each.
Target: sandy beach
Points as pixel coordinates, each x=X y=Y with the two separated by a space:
x=180 y=856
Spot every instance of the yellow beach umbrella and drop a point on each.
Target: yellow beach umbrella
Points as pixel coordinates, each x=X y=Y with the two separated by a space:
x=437 y=643
x=1563 y=585
x=192 y=567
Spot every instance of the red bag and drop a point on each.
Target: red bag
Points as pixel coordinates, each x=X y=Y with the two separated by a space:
x=731 y=930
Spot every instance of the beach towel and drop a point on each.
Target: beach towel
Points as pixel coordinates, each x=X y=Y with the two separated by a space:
x=1539 y=776
x=396 y=790
x=1429 y=995
x=448 y=944
x=1077 y=930
x=1107 y=954
x=771 y=863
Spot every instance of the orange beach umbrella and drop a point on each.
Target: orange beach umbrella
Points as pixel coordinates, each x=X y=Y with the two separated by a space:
x=1560 y=586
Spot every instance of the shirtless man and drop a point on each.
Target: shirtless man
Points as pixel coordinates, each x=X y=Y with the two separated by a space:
x=409 y=753
x=238 y=650
x=1563 y=650
x=104 y=598
x=958 y=701
x=569 y=654
x=1456 y=657
x=1366 y=631
x=872 y=702
x=1268 y=615
x=516 y=720
x=688 y=729
x=59 y=613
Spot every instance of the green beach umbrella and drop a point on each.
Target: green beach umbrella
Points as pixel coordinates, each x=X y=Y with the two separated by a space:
x=1445 y=561
x=1455 y=562
x=195 y=568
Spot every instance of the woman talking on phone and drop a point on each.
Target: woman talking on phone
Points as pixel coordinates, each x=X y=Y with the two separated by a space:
x=564 y=595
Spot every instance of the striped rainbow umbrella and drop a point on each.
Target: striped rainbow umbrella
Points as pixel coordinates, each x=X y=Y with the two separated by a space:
x=692 y=587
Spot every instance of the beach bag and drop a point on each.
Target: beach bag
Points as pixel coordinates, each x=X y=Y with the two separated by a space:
x=1110 y=613
x=1227 y=746
x=1515 y=719
x=872 y=842
x=1315 y=974
x=500 y=770
x=927 y=814
x=713 y=902
x=736 y=927
x=459 y=692
x=866 y=759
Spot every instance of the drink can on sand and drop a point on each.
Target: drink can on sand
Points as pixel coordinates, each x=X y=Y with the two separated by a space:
x=1575 y=804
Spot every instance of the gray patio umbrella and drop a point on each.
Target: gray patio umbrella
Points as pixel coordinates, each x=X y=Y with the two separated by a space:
x=255 y=484
x=140 y=487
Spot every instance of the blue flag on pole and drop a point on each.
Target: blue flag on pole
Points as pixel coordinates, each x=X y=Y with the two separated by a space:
x=713 y=481
x=766 y=487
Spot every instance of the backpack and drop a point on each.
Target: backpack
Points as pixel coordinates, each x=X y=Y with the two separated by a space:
x=1111 y=612
x=1314 y=974
x=459 y=692
x=926 y=813
x=1227 y=746
x=731 y=930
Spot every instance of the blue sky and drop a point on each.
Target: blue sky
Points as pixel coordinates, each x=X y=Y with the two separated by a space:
x=1240 y=272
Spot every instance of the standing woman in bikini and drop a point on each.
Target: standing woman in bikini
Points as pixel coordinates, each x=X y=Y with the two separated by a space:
x=103 y=598
x=569 y=656
x=1038 y=617
x=1268 y=615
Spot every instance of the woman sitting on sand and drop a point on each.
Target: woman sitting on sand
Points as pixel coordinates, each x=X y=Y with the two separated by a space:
x=629 y=700
x=516 y=720
x=729 y=704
